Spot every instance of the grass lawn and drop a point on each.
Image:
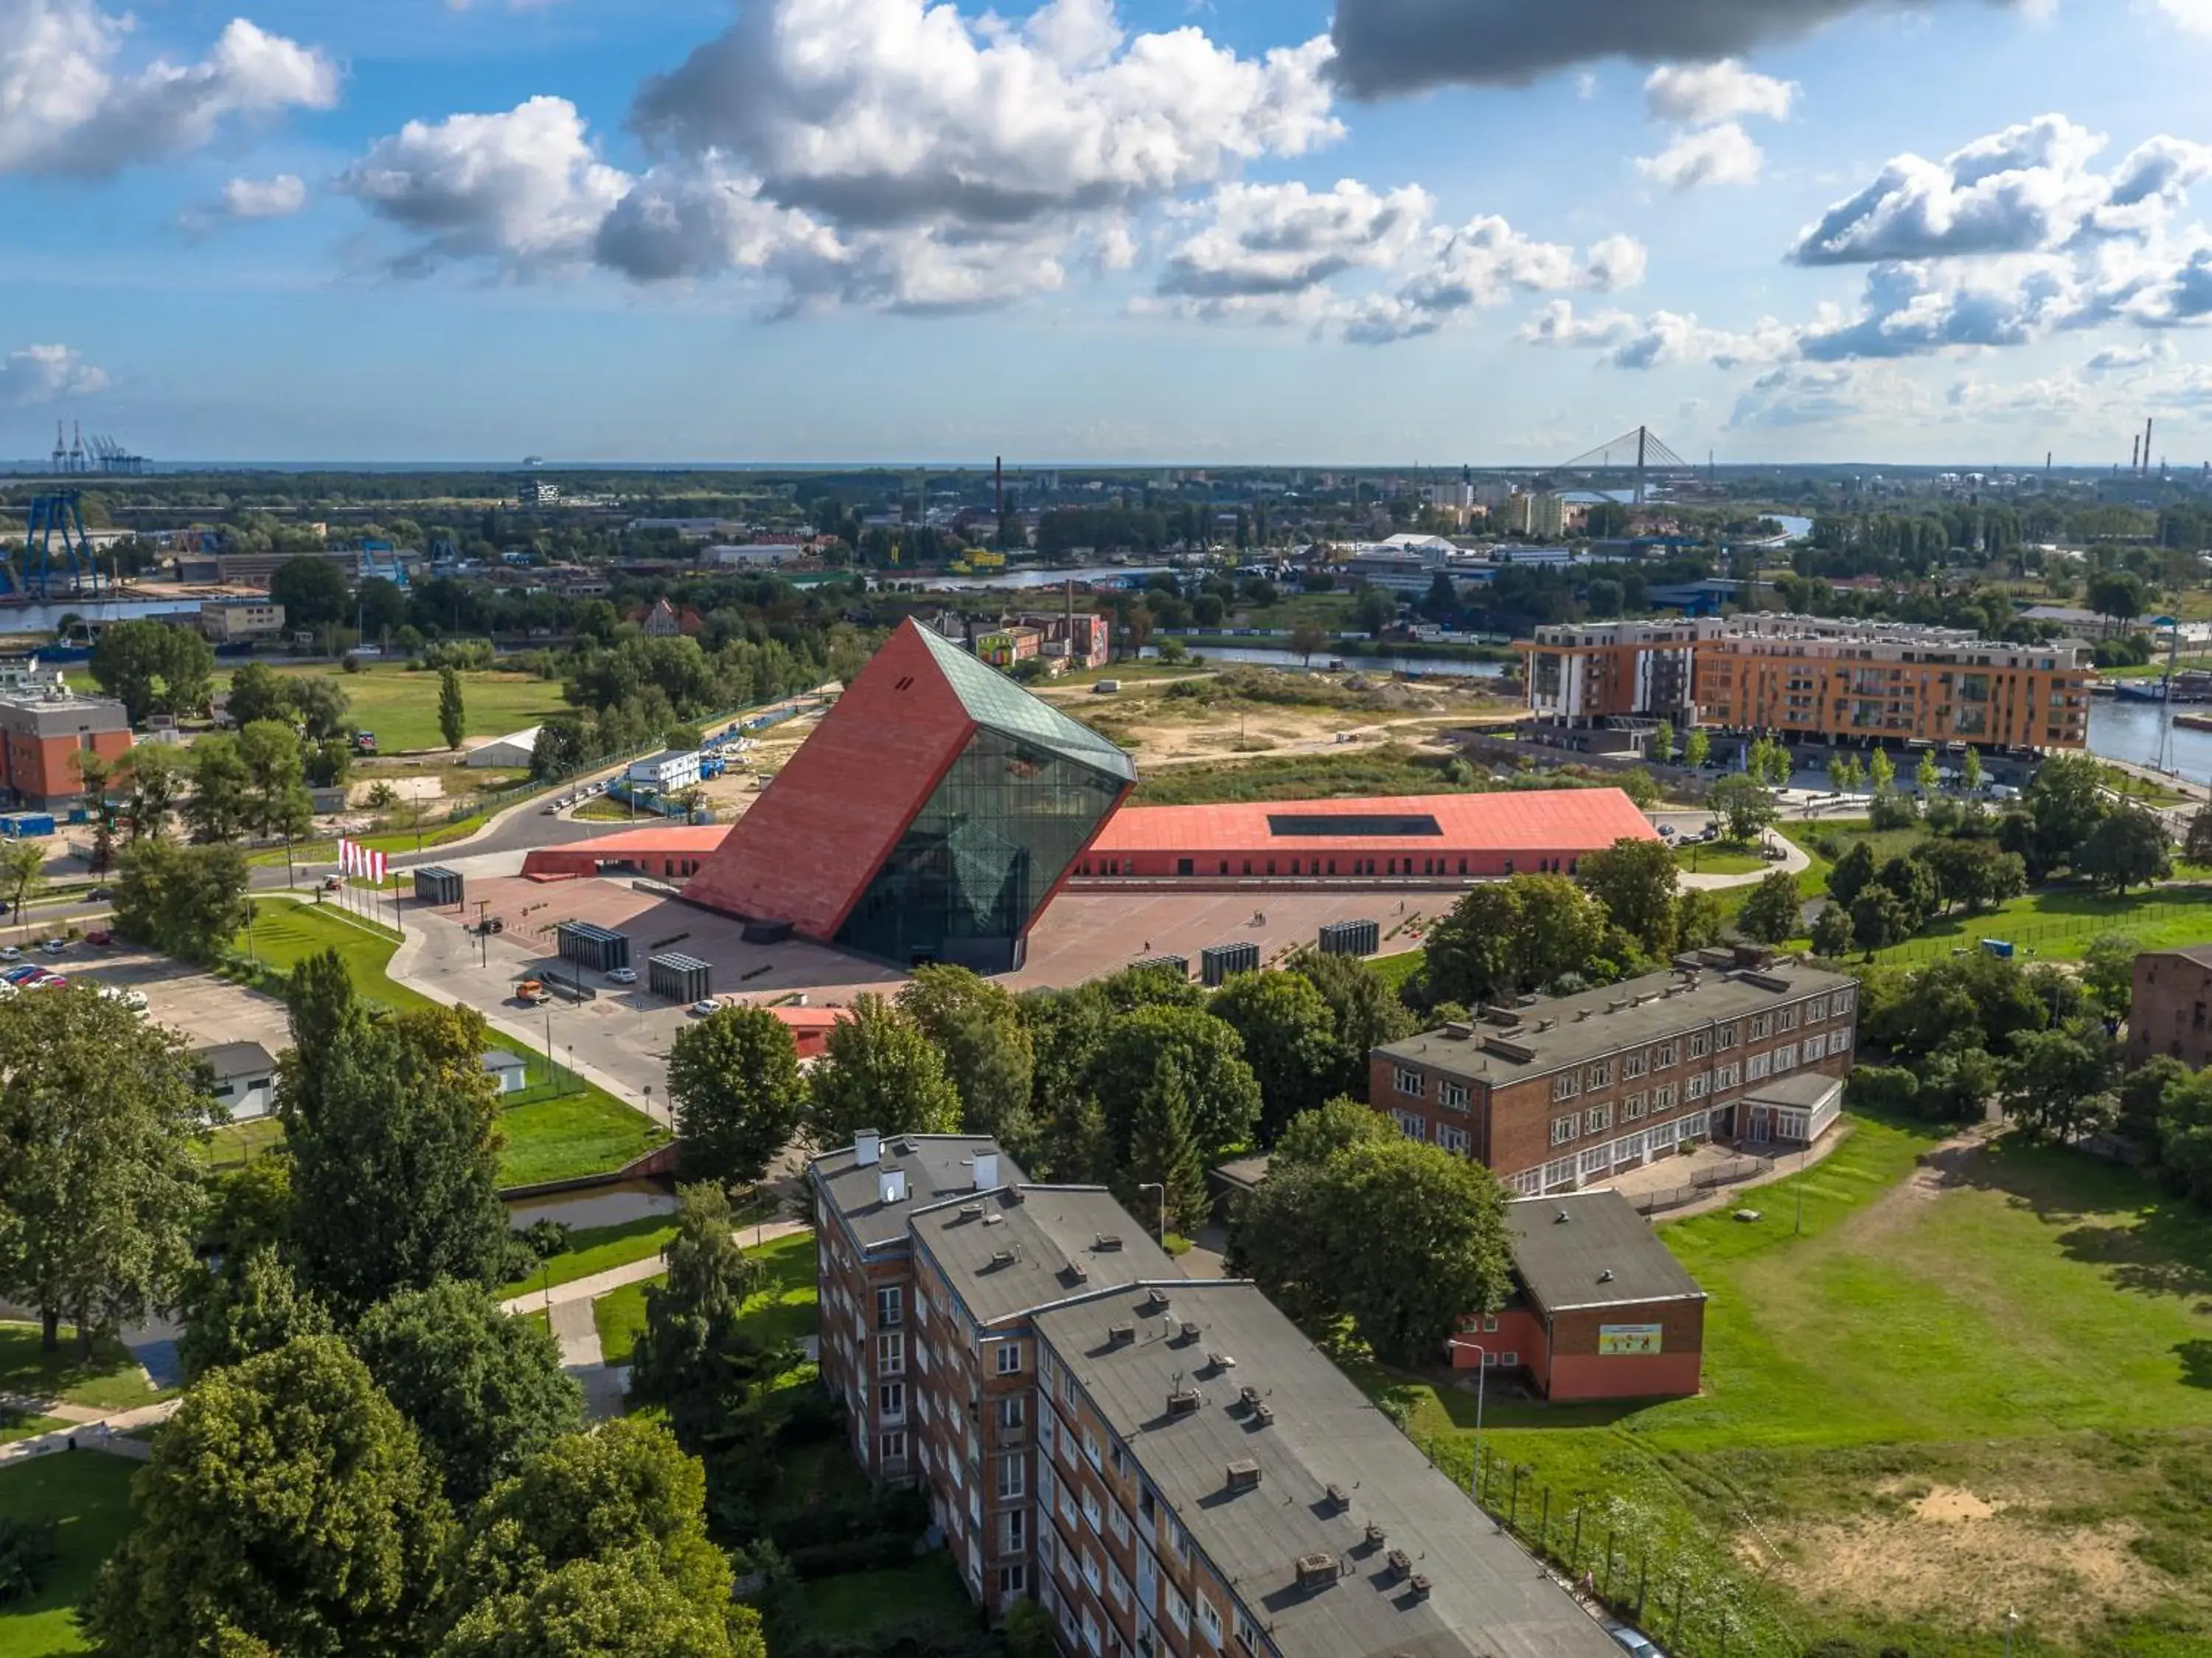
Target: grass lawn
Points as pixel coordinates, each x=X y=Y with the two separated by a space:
x=89 y=1494
x=236 y=1143
x=857 y=1604
x=2026 y=1341
x=401 y=704
x=434 y=831
x=2141 y=788
x=1720 y=858
x=111 y=1381
x=286 y=933
x=783 y=1310
x=14 y=1425
x=2059 y=923
x=599 y=1249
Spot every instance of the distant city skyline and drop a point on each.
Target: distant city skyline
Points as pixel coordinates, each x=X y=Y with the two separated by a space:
x=832 y=232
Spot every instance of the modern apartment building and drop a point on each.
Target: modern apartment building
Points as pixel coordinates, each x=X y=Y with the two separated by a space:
x=1557 y=1093
x=44 y=726
x=1168 y=1465
x=1810 y=677
x=1594 y=672
x=1893 y=681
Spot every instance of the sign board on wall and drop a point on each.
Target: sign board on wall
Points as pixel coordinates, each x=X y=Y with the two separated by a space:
x=1620 y=1340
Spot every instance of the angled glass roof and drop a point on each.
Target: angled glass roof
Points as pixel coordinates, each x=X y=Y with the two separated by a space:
x=993 y=700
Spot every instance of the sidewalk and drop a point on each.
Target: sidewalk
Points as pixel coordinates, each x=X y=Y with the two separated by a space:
x=601 y=1283
x=102 y=1433
x=1794 y=858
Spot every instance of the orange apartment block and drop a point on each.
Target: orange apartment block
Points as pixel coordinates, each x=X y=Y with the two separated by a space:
x=43 y=728
x=1811 y=678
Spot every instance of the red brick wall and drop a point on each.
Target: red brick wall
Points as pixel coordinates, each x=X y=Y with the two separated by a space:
x=1579 y=1371
x=2172 y=1010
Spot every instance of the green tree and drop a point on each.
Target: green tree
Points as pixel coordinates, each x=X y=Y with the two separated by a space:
x=452 y=715
x=22 y=874
x=693 y=1359
x=878 y=1070
x=186 y=901
x=597 y=1549
x=1970 y=771
x=1832 y=931
x=1636 y=881
x=2143 y=1096
x=2197 y=845
x=152 y=776
x=484 y=1391
x=1743 y=807
x=977 y=1026
x=1363 y=1013
x=1223 y=1095
x=1700 y=918
x=248 y=1303
x=1314 y=1137
x=1662 y=749
x=1307 y=637
x=1289 y=1042
x=734 y=1081
x=1881 y=918
x=391 y=1129
x=2184 y=1135
x=288 y=1509
x=1926 y=775
x=2063 y=806
x=2059 y=1084
x=100 y=1191
x=257 y=692
x=1881 y=772
x=1853 y=873
x=220 y=806
x=1164 y=1150
x=1504 y=937
x=2108 y=974
x=321 y=704
x=312 y=590
x=1696 y=747
x=1772 y=913
x=151 y=667
x=2129 y=848
x=1373 y=610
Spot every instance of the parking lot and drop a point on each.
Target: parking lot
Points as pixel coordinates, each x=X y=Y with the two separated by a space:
x=203 y=1008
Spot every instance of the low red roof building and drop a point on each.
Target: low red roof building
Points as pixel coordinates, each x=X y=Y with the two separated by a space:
x=1514 y=833
x=672 y=852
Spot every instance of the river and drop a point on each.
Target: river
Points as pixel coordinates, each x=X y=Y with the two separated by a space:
x=2130 y=731
x=1407 y=664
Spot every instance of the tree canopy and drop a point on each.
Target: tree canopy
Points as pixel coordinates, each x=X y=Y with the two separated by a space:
x=878 y=1070
x=734 y=1081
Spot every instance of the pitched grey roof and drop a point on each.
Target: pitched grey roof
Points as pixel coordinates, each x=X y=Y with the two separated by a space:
x=501 y=1059
x=1017 y=1250
x=233 y=1059
x=936 y=1167
x=1591 y=1249
x=1488 y=1598
x=993 y=700
x=1806 y=1088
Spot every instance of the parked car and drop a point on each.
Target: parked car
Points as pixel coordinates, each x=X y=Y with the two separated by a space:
x=709 y=1005
x=99 y=895
x=53 y=945
x=533 y=992
x=51 y=982
x=1636 y=1645
x=99 y=936
x=333 y=883
x=622 y=975
x=11 y=954
x=22 y=975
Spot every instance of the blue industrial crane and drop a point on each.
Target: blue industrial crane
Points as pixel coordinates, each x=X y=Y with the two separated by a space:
x=35 y=572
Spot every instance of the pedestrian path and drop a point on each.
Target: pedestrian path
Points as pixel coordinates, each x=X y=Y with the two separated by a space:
x=104 y=1433
x=615 y=1277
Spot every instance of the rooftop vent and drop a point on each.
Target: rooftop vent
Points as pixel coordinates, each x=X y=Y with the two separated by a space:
x=994 y=1220
x=1016 y=1197
x=1116 y=1334
x=1581 y=1014
x=1317 y=1571
x=1419 y=1587
x=1376 y=1535
x=1401 y=1563
x=1107 y=1243
x=1156 y=1300
x=1182 y=1401
x=970 y=1211
x=1263 y=1413
x=1002 y=1258
x=1250 y=1396
x=905 y=1148
x=1189 y=1331
x=890 y=1185
x=1546 y=1024
x=1077 y=1271
x=1243 y=1475
x=1339 y=1498
x=1561 y=1218
x=1458 y=1029
x=1221 y=1361
x=1606 y=1276
x=867 y=1147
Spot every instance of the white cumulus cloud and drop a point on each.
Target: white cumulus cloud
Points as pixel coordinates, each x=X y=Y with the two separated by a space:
x=42 y=374
x=1720 y=155
x=69 y=105
x=1271 y=240
x=1705 y=94
x=264 y=199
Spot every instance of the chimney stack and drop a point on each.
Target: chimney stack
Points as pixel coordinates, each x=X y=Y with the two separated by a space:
x=2147 y=425
x=867 y=1147
x=986 y=1171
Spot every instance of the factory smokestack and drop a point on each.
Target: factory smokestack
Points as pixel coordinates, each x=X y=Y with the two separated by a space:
x=2135 y=454
x=2147 y=430
x=999 y=482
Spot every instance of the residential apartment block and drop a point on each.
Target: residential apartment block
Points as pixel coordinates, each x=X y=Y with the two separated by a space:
x=44 y=726
x=1557 y=1093
x=1810 y=677
x=1166 y=1464
x=2168 y=1013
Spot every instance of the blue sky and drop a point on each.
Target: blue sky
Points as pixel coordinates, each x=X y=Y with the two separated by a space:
x=1421 y=231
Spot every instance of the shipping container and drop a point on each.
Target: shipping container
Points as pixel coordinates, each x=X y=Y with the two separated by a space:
x=1218 y=962
x=437 y=886
x=1351 y=938
x=596 y=948
x=1179 y=964
x=679 y=977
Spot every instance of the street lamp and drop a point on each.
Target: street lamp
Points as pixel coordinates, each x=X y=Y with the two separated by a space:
x=1155 y=1186
x=1481 y=1387
x=2011 y=1619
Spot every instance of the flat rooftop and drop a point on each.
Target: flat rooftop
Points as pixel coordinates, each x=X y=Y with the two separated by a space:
x=1486 y=1597
x=1011 y=1252
x=1587 y=1249
x=1546 y=820
x=1551 y=1032
x=936 y=1166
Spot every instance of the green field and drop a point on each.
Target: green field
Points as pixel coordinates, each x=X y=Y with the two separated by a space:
x=785 y=1310
x=111 y=1381
x=1720 y=858
x=558 y=1127
x=2012 y=1330
x=13 y=1424
x=401 y=704
x=598 y=1249
x=2059 y=923
x=89 y=1494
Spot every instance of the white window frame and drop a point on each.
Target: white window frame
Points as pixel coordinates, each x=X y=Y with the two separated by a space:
x=1601 y=1074
x=1456 y=1140
x=1566 y=1085
x=1700 y=1045
x=1699 y=1085
x=891 y=1354
x=1759 y=1067
x=1597 y=1119
x=1409 y=1083
x=891 y=1307
x=1567 y=1128
x=1633 y=1064
x=1453 y=1096
x=1785 y=1058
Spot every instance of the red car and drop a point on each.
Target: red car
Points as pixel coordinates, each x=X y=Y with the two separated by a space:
x=103 y=936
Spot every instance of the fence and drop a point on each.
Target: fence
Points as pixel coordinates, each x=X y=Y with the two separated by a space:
x=1735 y=1171
x=2035 y=935
x=1693 y=1607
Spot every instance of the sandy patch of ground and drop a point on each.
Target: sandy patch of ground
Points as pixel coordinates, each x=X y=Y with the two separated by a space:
x=411 y=789
x=1952 y=1551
